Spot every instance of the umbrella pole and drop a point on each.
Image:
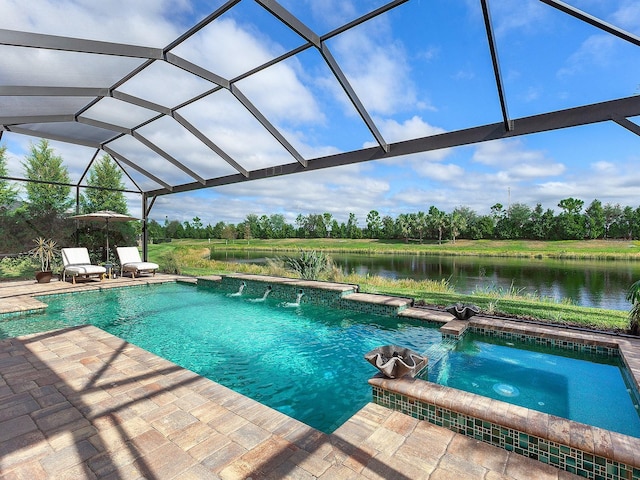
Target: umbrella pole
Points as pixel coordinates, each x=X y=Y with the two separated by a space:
x=107 y=240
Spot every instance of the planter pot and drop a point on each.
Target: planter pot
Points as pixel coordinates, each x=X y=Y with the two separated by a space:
x=396 y=362
x=463 y=312
x=44 y=277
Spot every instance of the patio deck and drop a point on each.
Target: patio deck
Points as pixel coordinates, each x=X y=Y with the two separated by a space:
x=80 y=403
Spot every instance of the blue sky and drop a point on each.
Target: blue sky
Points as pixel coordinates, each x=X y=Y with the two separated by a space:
x=421 y=69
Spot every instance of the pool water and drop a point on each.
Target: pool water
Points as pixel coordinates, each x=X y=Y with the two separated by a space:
x=307 y=361
x=584 y=387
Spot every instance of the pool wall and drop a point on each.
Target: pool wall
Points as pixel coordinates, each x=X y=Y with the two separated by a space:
x=334 y=295
x=584 y=450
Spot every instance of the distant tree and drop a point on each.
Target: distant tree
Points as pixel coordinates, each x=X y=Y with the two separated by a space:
x=421 y=224
x=335 y=229
x=570 y=223
x=279 y=227
x=253 y=224
x=636 y=223
x=174 y=229
x=388 y=227
x=105 y=173
x=217 y=230
x=196 y=222
x=535 y=230
x=438 y=221
x=188 y=230
x=328 y=220
x=457 y=224
x=265 y=228
x=473 y=230
x=497 y=211
x=482 y=227
x=155 y=230
x=46 y=199
x=612 y=215
x=229 y=232
x=352 y=227
x=403 y=226
x=300 y=223
x=594 y=220
x=628 y=218
x=8 y=191
x=374 y=224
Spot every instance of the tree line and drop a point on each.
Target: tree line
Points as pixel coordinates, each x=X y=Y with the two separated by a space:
x=518 y=221
x=45 y=211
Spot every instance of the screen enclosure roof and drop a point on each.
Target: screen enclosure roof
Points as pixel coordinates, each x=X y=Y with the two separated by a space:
x=256 y=89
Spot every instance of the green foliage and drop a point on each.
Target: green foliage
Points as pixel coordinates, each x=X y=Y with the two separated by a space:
x=170 y=263
x=20 y=267
x=310 y=265
x=633 y=296
x=46 y=199
x=8 y=191
x=104 y=174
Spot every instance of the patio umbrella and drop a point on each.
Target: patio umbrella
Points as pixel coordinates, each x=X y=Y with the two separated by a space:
x=105 y=216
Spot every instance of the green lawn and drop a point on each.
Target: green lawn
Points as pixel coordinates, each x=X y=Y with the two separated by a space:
x=600 y=249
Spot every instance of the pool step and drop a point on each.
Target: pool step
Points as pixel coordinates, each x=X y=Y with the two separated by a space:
x=454 y=329
x=437 y=351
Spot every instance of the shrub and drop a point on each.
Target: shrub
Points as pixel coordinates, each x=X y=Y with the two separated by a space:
x=311 y=265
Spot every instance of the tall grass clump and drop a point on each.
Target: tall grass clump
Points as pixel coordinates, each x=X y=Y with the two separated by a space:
x=310 y=265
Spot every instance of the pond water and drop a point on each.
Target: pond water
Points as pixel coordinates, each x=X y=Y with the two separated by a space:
x=591 y=283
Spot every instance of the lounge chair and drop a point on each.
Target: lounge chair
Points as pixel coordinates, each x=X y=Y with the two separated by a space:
x=76 y=263
x=130 y=261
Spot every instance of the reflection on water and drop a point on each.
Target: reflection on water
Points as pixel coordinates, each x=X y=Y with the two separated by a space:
x=592 y=283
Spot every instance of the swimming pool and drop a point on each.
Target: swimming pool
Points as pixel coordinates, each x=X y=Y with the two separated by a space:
x=304 y=361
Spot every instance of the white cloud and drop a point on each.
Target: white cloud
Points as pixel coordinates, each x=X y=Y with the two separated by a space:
x=441 y=172
x=144 y=22
x=505 y=152
x=603 y=167
x=628 y=16
x=523 y=16
x=414 y=127
x=377 y=68
x=516 y=162
x=595 y=51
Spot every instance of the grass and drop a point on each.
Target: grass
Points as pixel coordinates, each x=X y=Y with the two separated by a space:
x=565 y=249
x=193 y=259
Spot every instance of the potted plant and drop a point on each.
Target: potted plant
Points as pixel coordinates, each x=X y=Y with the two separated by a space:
x=44 y=251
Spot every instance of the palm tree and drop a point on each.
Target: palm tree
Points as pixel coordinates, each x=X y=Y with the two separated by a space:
x=457 y=223
x=438 y=221
x=633 y=296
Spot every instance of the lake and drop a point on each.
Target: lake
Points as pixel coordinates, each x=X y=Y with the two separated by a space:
x=591 y=283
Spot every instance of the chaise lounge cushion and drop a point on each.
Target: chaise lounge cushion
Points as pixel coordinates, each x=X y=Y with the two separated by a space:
x=76 y=262
x=130 y=261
